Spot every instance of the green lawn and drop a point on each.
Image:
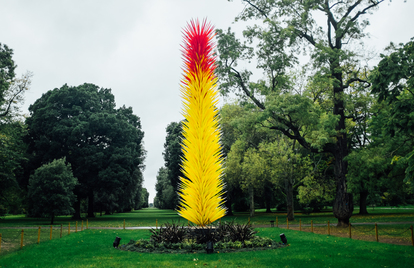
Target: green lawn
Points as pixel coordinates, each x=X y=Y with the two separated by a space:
x=397 y=234
x=93 y=248
x=144 y=217
x=148 y=217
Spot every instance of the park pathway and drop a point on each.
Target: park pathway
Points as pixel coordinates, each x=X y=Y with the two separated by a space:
x=255 y=226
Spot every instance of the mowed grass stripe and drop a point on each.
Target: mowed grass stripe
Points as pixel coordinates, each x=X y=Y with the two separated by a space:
x=93 y=248
x=149 y=216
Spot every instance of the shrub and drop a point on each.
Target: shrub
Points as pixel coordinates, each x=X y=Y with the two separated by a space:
x=226 y=237
x=169 y=233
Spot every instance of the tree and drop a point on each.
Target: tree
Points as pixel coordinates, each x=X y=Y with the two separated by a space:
x=318 y=189
x=240 y=140
x=13 y=96
x=173 y=156
x=319 y=124
x=393 y=83
x=12 y=148
x=166 y=196
x=287 y=167
x=12 y=157
x=7 y=70
x=145 y=197
x=168 y=176
x=51 y=190
x=103 y=144
x=242 y=167
x=368 y=166
x=230 y=116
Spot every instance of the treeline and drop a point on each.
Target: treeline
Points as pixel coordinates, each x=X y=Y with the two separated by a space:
x=333 y=131
x=75 y=153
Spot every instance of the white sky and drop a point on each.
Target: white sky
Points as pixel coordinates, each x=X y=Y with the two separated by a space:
x=133 y=47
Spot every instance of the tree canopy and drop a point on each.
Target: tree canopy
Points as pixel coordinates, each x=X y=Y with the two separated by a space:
x=7 y=70
x=103 y=144
x=393 y=84
x=315 y=113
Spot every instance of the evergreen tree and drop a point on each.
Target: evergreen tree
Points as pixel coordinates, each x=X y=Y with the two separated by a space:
x=51 y=190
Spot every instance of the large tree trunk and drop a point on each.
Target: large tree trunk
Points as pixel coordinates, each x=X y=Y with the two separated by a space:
x=53 y=218
x=343 y=204
x=251 y=193
x=77 y=215
x=289 y=199
x=363 y=203
x=90 y=205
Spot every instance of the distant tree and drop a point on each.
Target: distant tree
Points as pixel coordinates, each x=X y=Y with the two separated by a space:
x=243 y=168
x=51 y=190
x=168 y=176
x=138 y=198
x=230 y=116
x=102 y=143
x=145 y=198
x=173 y=153
x=318 y=190
x=165 y=196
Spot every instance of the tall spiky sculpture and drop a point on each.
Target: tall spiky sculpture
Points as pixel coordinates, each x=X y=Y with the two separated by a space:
x=201 y=190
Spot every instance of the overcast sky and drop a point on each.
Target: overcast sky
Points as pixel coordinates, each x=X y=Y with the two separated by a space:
x=133 y=47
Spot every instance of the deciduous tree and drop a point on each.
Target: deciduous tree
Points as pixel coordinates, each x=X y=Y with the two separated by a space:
x=393 y=83
x=7 y=70
x=288 y=28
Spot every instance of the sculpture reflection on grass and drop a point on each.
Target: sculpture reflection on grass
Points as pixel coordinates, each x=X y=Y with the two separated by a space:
x=201 y=190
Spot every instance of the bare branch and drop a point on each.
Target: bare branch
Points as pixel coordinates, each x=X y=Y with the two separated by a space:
x=15 y=90
x=350 y=8
x=246 y=90
x=340 y=2
x=257 y=8
x=356 y=79
x=367 y=8
x=354 y=18
x=306 y=36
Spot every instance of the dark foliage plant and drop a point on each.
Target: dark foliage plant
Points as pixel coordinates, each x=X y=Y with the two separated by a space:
x=227 y=231
x=240 y=232
x=227 y=236
x=169 y=233
x=191 y=246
